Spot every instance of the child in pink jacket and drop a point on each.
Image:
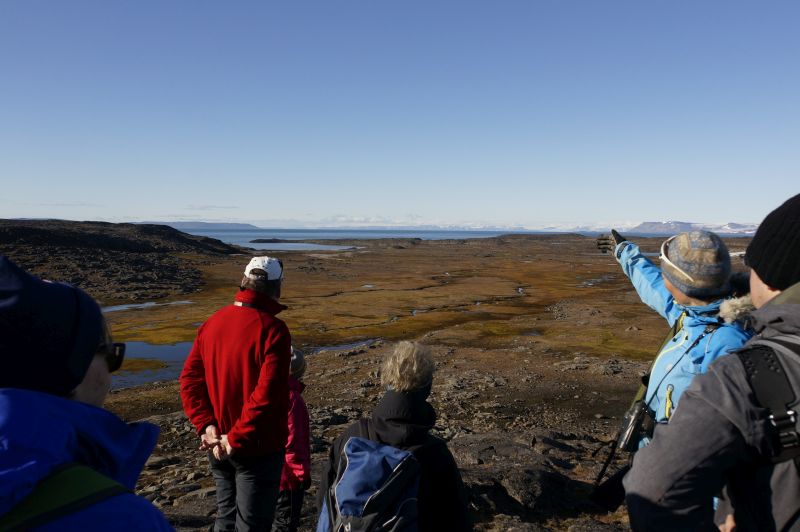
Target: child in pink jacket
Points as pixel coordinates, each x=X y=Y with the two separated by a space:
x=296 y=476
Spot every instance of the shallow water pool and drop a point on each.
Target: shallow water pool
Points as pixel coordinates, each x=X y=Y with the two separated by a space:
x=137 y=306
x=171 y=356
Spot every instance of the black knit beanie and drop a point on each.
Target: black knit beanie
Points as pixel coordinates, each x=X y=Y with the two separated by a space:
x=49 y=332
x=774 y=252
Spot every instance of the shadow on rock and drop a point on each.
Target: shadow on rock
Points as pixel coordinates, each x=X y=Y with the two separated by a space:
x=517 y=480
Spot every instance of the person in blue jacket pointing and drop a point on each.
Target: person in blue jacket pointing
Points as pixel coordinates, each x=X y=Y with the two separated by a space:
x=689 y=290
x=65 y=462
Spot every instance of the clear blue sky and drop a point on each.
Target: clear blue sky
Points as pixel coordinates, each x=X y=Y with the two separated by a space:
x=500 y=112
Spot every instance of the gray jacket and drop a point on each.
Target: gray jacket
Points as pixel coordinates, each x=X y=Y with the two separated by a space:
x=717 y=437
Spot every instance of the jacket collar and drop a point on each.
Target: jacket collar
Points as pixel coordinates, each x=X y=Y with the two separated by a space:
x=790 y=296
x=263 y=302
x=403 y=419
x=781 y=315
x=703 y=312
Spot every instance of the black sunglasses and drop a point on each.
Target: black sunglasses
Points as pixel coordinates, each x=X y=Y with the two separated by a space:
x=114 y=354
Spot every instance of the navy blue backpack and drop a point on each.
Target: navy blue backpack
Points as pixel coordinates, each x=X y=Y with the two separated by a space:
x=375 y=489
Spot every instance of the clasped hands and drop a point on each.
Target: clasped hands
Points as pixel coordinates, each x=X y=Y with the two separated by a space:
x=211 y=440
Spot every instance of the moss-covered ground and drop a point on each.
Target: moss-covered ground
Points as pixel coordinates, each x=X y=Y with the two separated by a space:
x=477 y=292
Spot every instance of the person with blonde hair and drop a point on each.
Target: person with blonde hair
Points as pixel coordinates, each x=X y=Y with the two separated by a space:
x=409 y=368
x=403 y=419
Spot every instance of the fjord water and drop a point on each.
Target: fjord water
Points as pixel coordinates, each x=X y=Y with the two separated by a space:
x=242 y=237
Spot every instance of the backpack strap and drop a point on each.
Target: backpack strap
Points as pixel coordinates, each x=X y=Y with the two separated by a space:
x=773 y=391
x=711 y=328
x=677 y=326
x=67 y=489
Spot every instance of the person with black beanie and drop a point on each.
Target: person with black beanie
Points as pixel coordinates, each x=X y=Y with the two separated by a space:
x=736 y=428
x=774 y=253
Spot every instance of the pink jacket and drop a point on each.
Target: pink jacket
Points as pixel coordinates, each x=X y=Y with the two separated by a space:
x=297 y=467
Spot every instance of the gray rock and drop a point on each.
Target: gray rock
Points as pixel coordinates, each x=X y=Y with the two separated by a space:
x=526 y=486
x=202 y=493
x=159 y=462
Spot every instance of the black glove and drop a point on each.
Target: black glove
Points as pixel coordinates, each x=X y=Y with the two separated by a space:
x=608 y=243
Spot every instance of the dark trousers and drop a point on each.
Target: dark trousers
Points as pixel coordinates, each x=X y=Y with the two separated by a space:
x=247 y=489
x=287 y=511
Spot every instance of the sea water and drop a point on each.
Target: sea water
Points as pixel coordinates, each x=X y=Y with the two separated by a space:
x=243 y=237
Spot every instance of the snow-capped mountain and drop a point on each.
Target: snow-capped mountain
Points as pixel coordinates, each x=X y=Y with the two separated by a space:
x=673 y=227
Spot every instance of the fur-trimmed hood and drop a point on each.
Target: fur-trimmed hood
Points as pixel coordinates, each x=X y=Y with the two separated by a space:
x=736 y=309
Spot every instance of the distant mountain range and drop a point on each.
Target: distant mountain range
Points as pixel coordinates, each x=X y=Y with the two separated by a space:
x=682 y=227
x=643 y=228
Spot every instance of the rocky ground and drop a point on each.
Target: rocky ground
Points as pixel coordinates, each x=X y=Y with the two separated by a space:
x=539 y=342
x=529 y=435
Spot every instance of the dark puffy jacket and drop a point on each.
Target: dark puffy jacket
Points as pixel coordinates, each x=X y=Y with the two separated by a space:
x=403 y=420
x=721 y=435
x=40 y=432
x=236 y=376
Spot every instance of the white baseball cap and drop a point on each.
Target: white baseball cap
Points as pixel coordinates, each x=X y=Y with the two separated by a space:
x=271 y=266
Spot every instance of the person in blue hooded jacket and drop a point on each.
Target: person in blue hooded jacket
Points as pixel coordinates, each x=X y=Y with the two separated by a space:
x=689 y=290
x=65 y=462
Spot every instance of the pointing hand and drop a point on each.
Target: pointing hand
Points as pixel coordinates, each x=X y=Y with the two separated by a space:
x=608 y=243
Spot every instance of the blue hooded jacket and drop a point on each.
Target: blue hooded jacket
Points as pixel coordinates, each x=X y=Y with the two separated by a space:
x=39 y=432
x=683 y=356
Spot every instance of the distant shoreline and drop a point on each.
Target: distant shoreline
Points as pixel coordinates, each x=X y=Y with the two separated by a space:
x=293 y=235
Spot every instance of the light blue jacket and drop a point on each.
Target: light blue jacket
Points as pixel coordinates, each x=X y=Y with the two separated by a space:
x=701 y=339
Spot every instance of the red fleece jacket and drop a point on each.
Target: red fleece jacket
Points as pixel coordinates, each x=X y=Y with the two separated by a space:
x=236 y=376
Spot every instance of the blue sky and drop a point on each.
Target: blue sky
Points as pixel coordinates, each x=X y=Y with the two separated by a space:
x=447 y=112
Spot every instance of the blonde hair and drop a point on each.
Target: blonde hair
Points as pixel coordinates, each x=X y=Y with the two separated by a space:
x=409 y=367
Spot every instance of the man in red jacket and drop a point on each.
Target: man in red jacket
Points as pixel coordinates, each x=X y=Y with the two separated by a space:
x=234 y=388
